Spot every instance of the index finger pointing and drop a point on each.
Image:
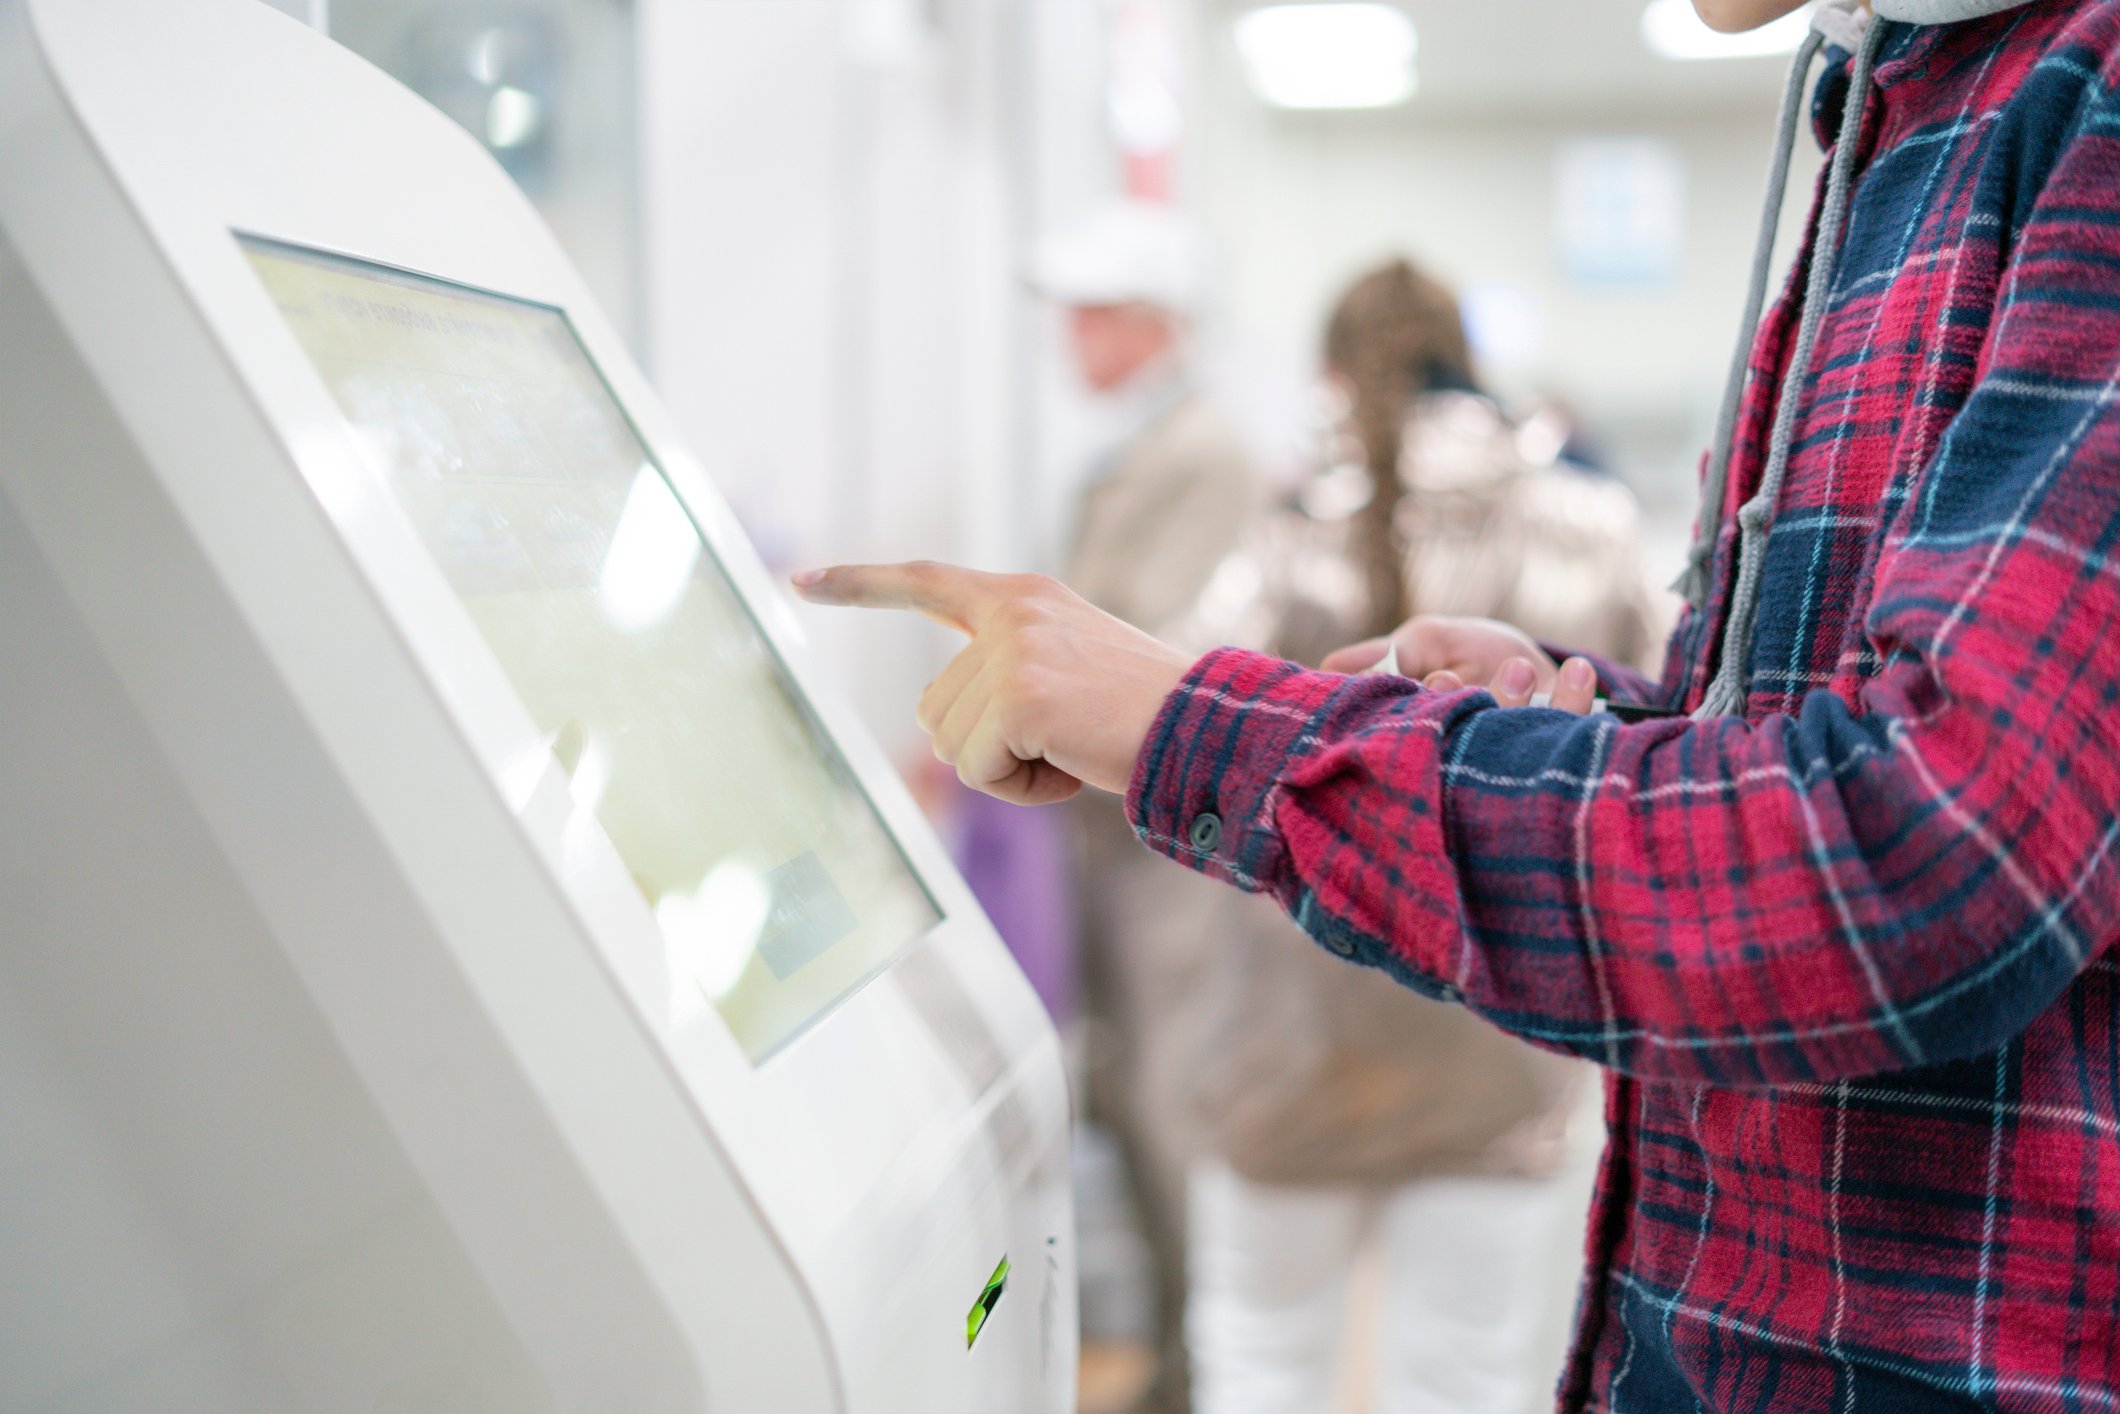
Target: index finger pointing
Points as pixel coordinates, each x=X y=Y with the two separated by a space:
x=949 y=594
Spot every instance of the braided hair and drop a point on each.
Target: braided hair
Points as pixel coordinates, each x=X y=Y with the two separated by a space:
x=1394 y=335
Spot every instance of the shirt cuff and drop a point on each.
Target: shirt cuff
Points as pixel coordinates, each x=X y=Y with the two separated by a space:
x=1204 y=785
x=1220 y=786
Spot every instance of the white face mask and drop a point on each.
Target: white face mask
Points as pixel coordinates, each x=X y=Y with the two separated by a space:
x=1941 y=12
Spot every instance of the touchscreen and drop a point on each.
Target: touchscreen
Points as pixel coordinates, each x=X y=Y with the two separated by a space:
x=777 y=886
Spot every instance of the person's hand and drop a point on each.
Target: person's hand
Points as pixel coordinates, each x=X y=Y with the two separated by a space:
x=1445 y=654
x=1051 y=693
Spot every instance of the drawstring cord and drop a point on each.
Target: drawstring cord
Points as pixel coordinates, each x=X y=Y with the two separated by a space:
x=1726 y=694
x=1693 y=583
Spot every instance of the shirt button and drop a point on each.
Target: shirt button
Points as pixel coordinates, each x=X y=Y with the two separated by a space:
x=1206 y=832
x=1343 y=946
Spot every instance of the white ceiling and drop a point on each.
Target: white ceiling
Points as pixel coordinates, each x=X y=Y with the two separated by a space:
x=1494 y=57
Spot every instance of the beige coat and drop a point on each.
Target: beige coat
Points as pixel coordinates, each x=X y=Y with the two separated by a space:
x=1304 y=1069
x=1175 y=504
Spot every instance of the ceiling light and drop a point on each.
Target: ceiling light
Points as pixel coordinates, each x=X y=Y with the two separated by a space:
x=1673 y=30
x=1329 y=55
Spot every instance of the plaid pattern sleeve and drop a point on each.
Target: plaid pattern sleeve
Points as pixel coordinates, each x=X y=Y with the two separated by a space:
x=1846 y=888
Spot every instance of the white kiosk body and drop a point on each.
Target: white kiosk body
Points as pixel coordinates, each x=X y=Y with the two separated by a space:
x=451 y=957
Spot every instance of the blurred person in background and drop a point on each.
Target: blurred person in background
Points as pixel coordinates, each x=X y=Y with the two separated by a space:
x=1553 y=432
x=1338 y=1111
x=1159 y=511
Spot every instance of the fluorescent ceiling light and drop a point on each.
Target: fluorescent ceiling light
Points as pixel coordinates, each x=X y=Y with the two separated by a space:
x=1673 y=30
x=1329 y=55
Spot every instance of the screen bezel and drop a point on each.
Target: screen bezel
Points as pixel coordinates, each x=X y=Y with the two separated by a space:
x=438 y=637
x=805 y=705
x=872 y=1074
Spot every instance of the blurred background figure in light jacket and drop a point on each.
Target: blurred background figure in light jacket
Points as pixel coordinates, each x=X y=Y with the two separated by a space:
x=1166 y=503
x=1339 y=1115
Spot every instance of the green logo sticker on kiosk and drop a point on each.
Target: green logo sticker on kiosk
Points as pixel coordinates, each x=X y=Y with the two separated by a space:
x=975 y=1322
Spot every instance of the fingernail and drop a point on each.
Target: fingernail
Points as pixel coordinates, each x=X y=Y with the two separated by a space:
x=1516 y=677
x=1577 y=674
x=806 y=579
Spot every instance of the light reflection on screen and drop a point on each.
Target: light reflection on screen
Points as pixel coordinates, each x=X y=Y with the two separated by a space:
x=777 y=887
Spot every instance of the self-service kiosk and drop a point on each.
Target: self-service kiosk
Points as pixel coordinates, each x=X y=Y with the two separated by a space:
x=452 y=955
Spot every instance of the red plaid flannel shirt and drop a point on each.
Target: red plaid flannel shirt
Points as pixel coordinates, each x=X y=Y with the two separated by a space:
x=1848 y=959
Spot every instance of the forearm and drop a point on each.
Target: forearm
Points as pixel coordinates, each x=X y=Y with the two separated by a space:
x=1788 y=901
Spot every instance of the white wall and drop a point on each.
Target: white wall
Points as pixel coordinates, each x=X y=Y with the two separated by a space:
x=837 y=197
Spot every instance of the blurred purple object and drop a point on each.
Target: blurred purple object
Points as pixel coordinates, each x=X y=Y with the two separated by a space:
x=1016 y=861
